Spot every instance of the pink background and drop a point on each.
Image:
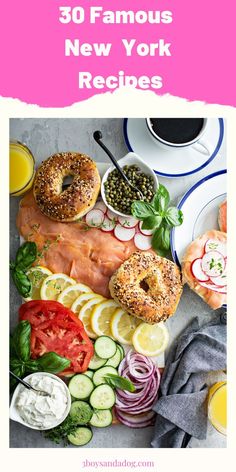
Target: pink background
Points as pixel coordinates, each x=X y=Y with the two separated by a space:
x=35 y=70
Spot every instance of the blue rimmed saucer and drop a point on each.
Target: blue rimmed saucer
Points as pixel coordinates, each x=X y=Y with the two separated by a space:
x=172 y=162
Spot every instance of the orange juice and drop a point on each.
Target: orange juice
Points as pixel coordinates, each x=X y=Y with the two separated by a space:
x=217 y=406
x=21 y=168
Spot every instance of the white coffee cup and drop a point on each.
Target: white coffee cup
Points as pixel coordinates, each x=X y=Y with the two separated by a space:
x=198 y=143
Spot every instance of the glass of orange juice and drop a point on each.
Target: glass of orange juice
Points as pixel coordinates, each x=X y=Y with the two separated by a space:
x=22 y=168
x=217 y=406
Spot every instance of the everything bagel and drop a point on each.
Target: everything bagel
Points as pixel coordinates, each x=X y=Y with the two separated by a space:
x=78 y=198
x=147 y=286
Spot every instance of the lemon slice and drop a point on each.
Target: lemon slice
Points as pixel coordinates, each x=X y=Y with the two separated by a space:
x=69 y=295
x=123 y=326
x=86 y=312
x=151 y=340
x=54 y=284
x=101 y=317
x=36 y=275
x=81 y=300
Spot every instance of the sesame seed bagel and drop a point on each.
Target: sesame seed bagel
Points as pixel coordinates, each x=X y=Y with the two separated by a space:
x=147 y=286
x=78 y=198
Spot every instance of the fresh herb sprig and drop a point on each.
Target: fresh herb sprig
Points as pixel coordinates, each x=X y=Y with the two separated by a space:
x=25 y=257
x=20 y=361
x=158 y=216
x=116 y=381
x=60 y=433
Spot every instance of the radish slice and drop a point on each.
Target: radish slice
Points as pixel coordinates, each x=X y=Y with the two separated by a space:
x=94 y=217
x=107 y=225
x=111 y=215
x=213 y=263
x=142 y=242
x=221 y=280
x=214 y=288
x=214 y=245
x=128 y=222
x=124 y=234
x=100 y=205
x=146 y=232
x=196 y=268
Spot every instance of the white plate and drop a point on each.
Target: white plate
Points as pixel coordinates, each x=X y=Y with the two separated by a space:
x=172 y=162
x=200 y=206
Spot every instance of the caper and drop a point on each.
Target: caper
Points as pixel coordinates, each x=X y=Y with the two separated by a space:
x=120 y=195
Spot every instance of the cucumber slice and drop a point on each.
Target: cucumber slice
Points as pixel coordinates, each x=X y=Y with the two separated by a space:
x=102 y=398
x=96 y=362
x=122 y=351
x=80 y=386
x=98 y=377
x=105 y=347
x=89 y=373
x=101 y=418
x=80 y=436
x=81 y=412
x=115 y=360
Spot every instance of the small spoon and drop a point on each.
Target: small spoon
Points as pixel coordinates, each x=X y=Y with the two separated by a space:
x=27 y=385
x=98 y=137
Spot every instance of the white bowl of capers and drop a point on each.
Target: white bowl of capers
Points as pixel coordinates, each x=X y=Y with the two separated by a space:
x=117 y=194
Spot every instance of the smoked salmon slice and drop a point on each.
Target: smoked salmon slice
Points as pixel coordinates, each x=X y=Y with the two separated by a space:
x=90 y=256
x=222 y=217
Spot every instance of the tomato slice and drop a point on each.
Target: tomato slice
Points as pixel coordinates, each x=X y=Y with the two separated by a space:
x=56 y=328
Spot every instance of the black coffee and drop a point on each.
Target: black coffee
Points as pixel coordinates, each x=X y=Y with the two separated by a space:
x=177 y=130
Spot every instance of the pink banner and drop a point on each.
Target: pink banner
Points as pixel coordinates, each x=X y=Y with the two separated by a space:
x=54 y=56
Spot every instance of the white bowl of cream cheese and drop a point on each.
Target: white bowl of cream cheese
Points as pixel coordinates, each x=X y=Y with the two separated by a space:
x=37 y=411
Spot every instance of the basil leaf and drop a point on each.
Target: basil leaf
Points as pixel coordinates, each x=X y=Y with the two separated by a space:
x=116 y=381
x=161 y=239
x=53 y=363
x=141 y=210
x=17 y=365
x=22 y=283
x=161 y=199
x=18 y=368
x=152 y=222
x=26 y=255
x=166 y=239
x=174 y=216
x=21 y=340
x=32 y=366
x=157 y=238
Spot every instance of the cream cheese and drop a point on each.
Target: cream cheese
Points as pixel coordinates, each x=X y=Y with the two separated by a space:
x=42 y=412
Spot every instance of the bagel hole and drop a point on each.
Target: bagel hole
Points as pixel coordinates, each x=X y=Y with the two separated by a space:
x=144 y=285
x=67 y=181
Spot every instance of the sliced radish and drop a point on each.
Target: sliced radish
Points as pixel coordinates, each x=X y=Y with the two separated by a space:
x=124 y=234
x=128 y=222
x=146 y=232
x=221 y=280
x=214 y=288
x=111 y=215
x=142 y=242
x=94 y=217
x=107 y=225
x=215 y=245
x=213 y=263
x=100 y=205
x=196 y=268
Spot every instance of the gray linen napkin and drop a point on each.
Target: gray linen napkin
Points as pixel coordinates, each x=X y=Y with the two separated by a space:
x=181 y=410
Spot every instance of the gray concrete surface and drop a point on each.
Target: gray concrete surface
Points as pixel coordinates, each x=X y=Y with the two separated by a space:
x=45 y=137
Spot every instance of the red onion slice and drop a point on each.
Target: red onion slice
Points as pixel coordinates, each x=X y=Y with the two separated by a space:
x=136 y=421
